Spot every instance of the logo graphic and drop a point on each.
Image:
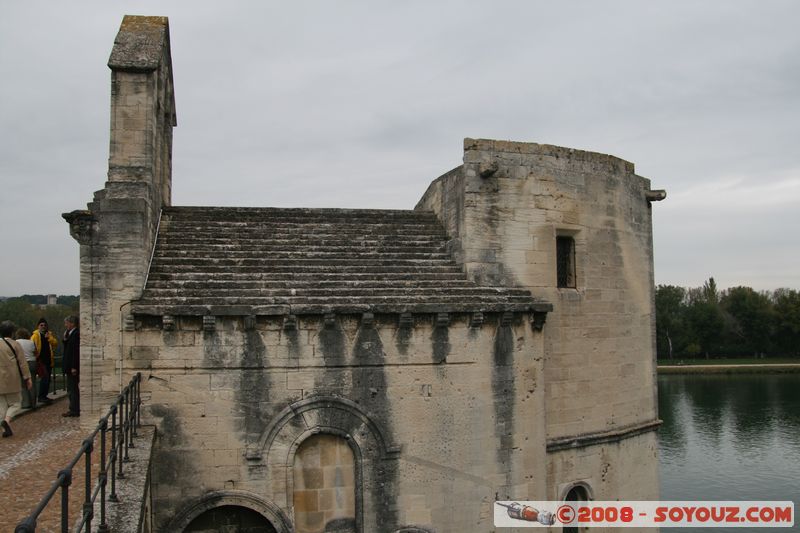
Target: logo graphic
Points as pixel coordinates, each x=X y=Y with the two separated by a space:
x=527 y=513
x=644 y=514
x=565 y=514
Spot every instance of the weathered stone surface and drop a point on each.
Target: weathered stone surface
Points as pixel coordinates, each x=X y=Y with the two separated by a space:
x=309 y=260
x=599 y=372
x=422 y=343
x=140 y=43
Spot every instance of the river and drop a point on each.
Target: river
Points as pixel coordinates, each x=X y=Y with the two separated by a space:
x=730 y=437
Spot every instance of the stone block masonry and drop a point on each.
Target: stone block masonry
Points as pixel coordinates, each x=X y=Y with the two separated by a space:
x=416 y=427
x=367 y=370
x=504 y=209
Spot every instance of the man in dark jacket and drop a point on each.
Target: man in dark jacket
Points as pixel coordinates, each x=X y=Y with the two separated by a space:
x=72 y=364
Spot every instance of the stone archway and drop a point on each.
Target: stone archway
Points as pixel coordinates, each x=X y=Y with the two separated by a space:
x=577 y=491
x=229 y=519
x=374 y=455
x=323 y=413
x=580 y=491
x=238 y=511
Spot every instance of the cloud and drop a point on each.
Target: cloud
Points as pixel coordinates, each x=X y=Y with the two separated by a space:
x=361 y=104
x=740 y=194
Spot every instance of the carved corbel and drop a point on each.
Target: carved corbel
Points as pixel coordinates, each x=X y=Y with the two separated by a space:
x=168 y=323
x=476 y=320
x=290 y=323
x=539 y=315
x=82 y=226
x=368 y=320
x=539 y=318
x=406 y=320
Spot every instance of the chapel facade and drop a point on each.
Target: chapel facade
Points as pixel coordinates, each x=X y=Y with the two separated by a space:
x=320 y=370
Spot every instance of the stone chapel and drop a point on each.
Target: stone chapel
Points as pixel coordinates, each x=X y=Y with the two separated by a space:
x=370 y=371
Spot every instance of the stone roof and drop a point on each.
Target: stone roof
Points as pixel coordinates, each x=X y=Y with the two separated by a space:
x=269 y=261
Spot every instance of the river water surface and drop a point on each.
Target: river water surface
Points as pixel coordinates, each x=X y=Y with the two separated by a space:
x=730 y=437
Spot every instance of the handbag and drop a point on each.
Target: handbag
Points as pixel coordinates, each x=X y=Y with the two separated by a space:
x=14 y=356
x=41 y=370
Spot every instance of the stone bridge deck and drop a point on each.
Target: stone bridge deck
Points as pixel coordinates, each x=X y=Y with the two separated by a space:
x=43 y=443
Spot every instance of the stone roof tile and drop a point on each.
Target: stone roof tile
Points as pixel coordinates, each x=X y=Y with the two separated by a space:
x=217 y=260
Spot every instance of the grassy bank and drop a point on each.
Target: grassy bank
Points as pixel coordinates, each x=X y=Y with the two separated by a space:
x=728 y=366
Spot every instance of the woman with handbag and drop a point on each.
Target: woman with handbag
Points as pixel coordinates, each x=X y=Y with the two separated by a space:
x=13 y=369
x=23 y=338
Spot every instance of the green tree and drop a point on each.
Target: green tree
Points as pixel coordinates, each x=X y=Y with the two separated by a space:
x=69 y=301
x=20 y=312
x=751 y=324
x=709 y=291
x=786 y=321
x=670 y=320
x=36 y=299
x=705 y=319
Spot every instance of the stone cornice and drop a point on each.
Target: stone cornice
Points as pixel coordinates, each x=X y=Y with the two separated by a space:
x=601 y=437
x=355 y=308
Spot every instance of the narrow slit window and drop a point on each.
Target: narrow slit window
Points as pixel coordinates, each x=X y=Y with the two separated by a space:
x=565 y=262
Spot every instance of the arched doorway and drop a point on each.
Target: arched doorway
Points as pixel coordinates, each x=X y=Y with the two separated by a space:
x=230 y=519
x=577 y=493
x=324 y=496
x=230 y=511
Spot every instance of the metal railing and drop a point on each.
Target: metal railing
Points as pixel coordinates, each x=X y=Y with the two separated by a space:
x=121 y=421
x=54 y=375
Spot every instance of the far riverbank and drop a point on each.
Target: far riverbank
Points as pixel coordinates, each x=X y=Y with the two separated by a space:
x=723 y=368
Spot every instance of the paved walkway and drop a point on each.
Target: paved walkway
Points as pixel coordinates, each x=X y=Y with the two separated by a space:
x=43 y=443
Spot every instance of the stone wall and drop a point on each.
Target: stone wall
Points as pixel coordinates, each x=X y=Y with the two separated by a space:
x=441 y=419
x=626 y=469
x=118 y=230
x=506 y=205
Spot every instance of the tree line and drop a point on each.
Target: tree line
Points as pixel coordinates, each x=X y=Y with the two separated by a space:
x=690 y=322
x=736 y=322
x=26 y=310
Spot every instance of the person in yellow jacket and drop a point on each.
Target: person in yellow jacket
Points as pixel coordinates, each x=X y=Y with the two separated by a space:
x=45 y=343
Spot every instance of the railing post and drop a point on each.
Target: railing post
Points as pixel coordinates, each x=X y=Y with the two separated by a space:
x=127 y=427
x=121 y=435
x=88 y=510
x=132 y=413
x=66 y=481
x=103 y=478
x=135 y=383
x=138 y=398
x=113 y=458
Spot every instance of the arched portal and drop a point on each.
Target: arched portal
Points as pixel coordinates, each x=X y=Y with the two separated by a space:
x=324 y=495
x=577 y=493
x=230 y=511
x=230 y=519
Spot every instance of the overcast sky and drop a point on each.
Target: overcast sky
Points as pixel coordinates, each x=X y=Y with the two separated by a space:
x=362 y=104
